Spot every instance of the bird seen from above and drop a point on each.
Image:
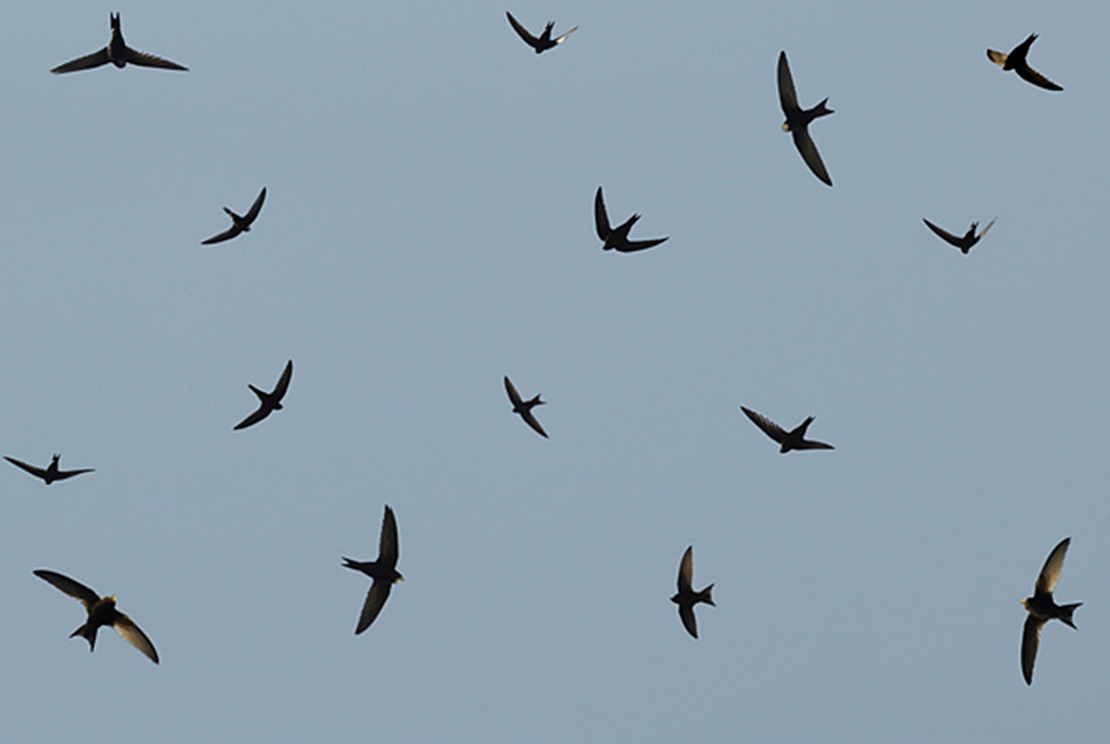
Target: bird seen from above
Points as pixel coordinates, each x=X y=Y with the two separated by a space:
x=268 y=402
x=102 y=611
x=51 y=473
x=1042 y=608
x=1015 y=61
x=524 y=407
x=239 y=223
x=686 y=597
x=118 y=53
x=967 y=241
x=616 y=238
x=383 y=571
x=544 y=42
x=798 y=119
x=790 y=440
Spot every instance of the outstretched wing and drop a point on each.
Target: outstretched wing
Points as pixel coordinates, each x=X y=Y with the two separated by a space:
x=531 y=421
x=37 y=472
x=788 y=97
x=388 y=545
x=686 y=571
x=375 y=600
x=988 y=227
x=75 y=589
x=686 y=612
x=563 y=38
x=63 y=474
x=1029 y=75
x=769 y=427
x=812 y=444
x=254 y=418
x=1050 y=574
x=252 y=213
x=514 y=396
x=134 y=635
x=142 y=59
x=601 y=218
x=530 y=40
x=631 y=246
x=944 y=235
x=805 y=146
x=283 y=382
x=1030 y=640
x=997 y=57
x=89 y=61
x=227 y=234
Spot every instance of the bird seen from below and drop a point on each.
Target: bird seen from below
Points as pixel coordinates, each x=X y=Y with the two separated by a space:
x=1042 y=608
x=118 y=53
x=963 y=243
x=51 y=473
x=686 y=597
x=798 y=119
x=790 y=440
x=102 y=611
x=616 y=238
x=268 y=402
x=239 y=223
x=383 y=571
x=524 y=407
x=1015 y=61
x=544 y=42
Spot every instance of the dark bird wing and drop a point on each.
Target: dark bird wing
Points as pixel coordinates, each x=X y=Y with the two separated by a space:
x=227 y=234
x=813 y=444
x=531 y=421
x=134 y=635
x=37 y=472
x=1030 y=640
x=945 y=235
x=254 y=418
x=75 y=589
x=252 y=213
x=1028 y=74
x=89 y=61
x=805 y=146
x=530 y=40
x=686 y=571
x=514 y=396
x=788 y=97
x=142 y=59
x=283 y=381
x=375 y=600
x=63 y=474
x=1050 y=574
x=388 y=545
x=686 y=612
x=769 y=427
x=601 y=219
x=631 y=246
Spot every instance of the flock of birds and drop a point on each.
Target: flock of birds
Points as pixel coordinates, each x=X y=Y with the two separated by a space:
x=101 y=611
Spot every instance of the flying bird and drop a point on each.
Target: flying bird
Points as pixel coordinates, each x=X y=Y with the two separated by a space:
x=524 y=407
x=544 y=42
x=616 y=238
x=239 y=223
x=967 y=241
x=383 y=571
x=118 y=53
x=790 y=440
x=102 y=611
x=686 y=597
x=1015 y=61
x=51 y=473
x=268 y=402
x=1042 y=608
x=798 y=119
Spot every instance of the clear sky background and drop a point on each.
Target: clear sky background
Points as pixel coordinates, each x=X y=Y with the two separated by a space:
x=429 y=229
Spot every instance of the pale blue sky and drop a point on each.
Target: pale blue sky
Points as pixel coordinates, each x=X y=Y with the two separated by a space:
x=428 y=230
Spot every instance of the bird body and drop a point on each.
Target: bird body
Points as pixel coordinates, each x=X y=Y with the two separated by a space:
x=544 y=41
x=239 y=223
x=101 y=611
x=965 y=242
x=51 y=472
x=616 y=238
x=798 y=120
x=1042 y=608
x=524 y=407
x=1016 y=61
x=118 y=53
x=788 y=440
x=383 y=571
x=268 y=402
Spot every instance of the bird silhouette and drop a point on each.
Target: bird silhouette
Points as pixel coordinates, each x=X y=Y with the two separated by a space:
x=686 y=597
x=51 y=473
x=1015 y=61
x=963 y=243
x=1042 y=608
x=616 y=238
x=524 y=407
x=118 y=53
x=268 y=402
x=798 y=119
x=544 y=42
x=239 y=223
x=102 y=611
x=383 y=571
x=790 y=440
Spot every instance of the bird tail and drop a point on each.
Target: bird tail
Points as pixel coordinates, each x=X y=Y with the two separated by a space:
x=348 y=563
x=822 y=109
x=1068 y=610
x=83 y=631
x=706 y=595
